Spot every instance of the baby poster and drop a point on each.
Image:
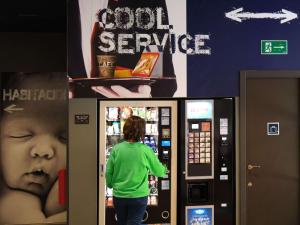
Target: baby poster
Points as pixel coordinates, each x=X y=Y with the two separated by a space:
x=33 y=148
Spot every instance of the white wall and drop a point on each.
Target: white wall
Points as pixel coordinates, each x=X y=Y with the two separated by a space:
x=177 y=18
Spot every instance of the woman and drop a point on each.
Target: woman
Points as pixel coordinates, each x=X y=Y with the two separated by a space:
x=127 y=173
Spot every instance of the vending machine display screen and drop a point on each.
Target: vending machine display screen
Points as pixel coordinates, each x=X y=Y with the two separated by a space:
x=166 y=143
x=201 y=215
x=199 y=110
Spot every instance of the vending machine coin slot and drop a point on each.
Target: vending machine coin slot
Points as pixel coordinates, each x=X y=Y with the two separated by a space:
x=165 y=154
x=224 y=141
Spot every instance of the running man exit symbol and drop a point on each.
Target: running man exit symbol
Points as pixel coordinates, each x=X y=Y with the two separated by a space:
x=274 y=47
x=273 y=128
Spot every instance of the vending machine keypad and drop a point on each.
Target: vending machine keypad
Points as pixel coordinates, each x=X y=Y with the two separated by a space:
x=199 y=143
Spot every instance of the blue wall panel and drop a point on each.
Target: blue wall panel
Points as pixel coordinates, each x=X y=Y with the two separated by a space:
x=235 y=45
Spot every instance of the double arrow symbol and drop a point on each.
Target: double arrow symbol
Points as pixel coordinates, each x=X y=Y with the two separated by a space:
x=284 y=15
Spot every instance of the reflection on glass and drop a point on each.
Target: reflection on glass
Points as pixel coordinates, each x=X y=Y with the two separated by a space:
x=115 y=120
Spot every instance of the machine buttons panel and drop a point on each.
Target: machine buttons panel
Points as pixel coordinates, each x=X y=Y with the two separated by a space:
x=199 y=143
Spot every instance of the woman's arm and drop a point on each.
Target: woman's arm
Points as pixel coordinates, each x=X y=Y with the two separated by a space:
x=110 y=169
x=155 y=166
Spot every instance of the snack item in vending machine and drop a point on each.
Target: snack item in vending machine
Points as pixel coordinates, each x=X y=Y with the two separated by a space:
x=146 y=141
x=153 y=200
x=141 y=112
x=126 y=112
x=113 y=113
x=154 y=114
x=148 y=114
x=135 y=111
x=154 y=129
x=110 y=130
x=152 y=144
x=116 y=128
x=148 y=128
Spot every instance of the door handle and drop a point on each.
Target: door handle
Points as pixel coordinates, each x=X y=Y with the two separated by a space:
x=101 y=170
x=251 y=167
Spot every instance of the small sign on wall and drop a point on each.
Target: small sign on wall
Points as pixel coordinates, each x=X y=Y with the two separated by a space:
x=82 y=119
x=274 y=47
x=273 y=128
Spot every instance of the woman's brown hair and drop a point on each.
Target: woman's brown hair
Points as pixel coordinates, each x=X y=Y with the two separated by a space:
x=134 y=128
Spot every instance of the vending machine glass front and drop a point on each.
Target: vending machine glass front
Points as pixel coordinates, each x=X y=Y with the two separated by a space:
x=115 y=120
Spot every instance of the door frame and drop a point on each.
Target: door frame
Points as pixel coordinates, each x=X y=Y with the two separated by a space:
x=246 y=75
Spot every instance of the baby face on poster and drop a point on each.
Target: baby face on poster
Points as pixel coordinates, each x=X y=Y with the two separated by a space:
x=33 y=139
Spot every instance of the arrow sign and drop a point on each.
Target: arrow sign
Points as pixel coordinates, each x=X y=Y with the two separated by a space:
x=12 y=108
x=274 y=47
x=283 y=15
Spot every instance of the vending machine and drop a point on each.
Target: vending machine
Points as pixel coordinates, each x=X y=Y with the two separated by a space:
x=207 y=156
x=160 y=135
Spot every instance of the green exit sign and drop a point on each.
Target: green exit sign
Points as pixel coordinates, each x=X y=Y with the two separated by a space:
x=274 y=47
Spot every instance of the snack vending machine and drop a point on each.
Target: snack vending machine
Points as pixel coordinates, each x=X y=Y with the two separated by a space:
x=160 y=135
x=207 y=178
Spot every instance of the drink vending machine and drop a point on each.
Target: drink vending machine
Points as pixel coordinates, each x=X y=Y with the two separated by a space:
x=160 y=135
x=207 y=181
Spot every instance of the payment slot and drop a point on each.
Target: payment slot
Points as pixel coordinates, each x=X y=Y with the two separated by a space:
x=160 y=136
x=207 y=178
x=224 y=145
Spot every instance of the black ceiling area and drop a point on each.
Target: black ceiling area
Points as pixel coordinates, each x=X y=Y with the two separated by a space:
x=33 y=35
x=33 y=16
